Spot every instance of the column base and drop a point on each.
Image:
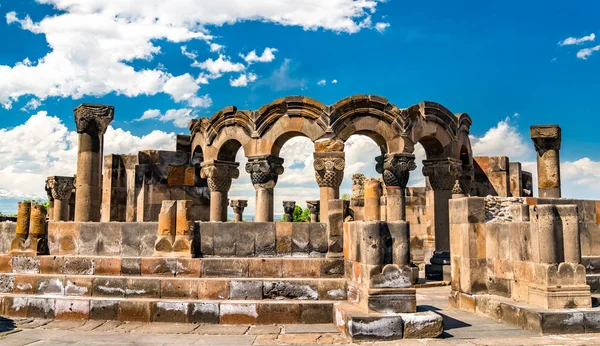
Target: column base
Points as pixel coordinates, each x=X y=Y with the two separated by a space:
x=439 y=267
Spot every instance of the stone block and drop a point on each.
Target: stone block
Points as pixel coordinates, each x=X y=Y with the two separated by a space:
x=104 y=309
x=332 y=290
x=7 y=283
x=332 y=268
x=265 y=268
x=189 y=177
x=467 y=210
x=207 y=312
x=177 y=288
x=67 y=309
x=213 y=289
x=109 y=287
x=265 y=240
x=25 y=264
x=278 y=313
x=159 y=266
x=243 y=243
x=78 y=286
x=301 y=267
x=15 y=306
x=283 y=232
x=336 y=217
x=422 y=325
x=172 y=312
x=218 y=267
x=238 y=313
x=130 y=239
x=88 y=240
x=51 y=264
x=131 y=266
x=247 y=289
x=301 y=237
x=109 y=266
x=110 y=240
x=5 y=264
x=142 y=288
x=381 y=327
x=316 y=313
x=18 y=284
x=40 y=308
x=147 y=238
x=207 y=231
x=78 y=266
x=318 y=237
x=134 y=311
x=176 y=175
x=49 y=285
x=303 y=290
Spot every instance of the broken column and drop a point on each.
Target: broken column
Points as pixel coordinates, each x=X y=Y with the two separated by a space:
x=36 y=243
x=238 y=206
x=61 y=189
x=167 y=223
x=372 y=200
x=395 y=169
x=288 y=210
x=264 y=171
x=219 y=175
x=92 y=121
x=546 y=139
x=183 y=229
x=329 y=172
x=442 y=174
x=314 y=207
x=22 y=230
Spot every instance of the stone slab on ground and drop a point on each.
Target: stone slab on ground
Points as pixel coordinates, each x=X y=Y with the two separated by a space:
x=91 y=325
x=264 y=330
x=222 y=329
x=63 y=325
x=108 y=326
x=309 y=328
x=166 y=328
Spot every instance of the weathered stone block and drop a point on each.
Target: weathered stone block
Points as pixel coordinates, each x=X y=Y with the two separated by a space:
x=67 y=309
x=110 y=241
x=422 y=325
x=130 y=239
x=40 y=308
x=134 y=311
x=332 y=290
x=109 y=287
x=213 y=289
x=283 y=232
x=101 y=309
x=48 y=285
x=332 y=268
x=23 y=284
x=246 y=289
x=217 y=267
x=142 y=288
x=88 y=240
x=147 y=237
x=301 y=237
x=204 y=313
x=78 y=266
x=316 y=313
x=177 y=288
x=25 y=264
x=109 y=266
x=238 y=313
x=318 y=237
x=301 y=267
x=207 y=232
x=265 y=240
x=5 y=264
x=159 y=266
x=265 y=268
x=172 y=312
x=15 y=306
x=275 y=313
x=131 y=266
x=78 y=286
x=7 y=283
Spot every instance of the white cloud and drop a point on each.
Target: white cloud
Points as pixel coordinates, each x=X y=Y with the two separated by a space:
x=243 y=80
x=216 y=68
x=381 y=26
x=32 y=105
x=43 y=146
x=334 y=81
x=184 y=88
x=573 y=40
x=322 y=82
x=267 y=56
x=92 y=43
x=587 y=52
x=281 y=79
x=180 y=117
x=502 y=140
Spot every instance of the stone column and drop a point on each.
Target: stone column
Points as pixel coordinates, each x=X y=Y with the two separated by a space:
x=219 y=175
x=50 y=200
x=395 y=169
x=61 y=189
x=314 y=207
x=442 y=174
x=92 y=121
x=546 y=139
x=238 y=206
x=372 y=200
x=167 y=223
x=37 y=230
x=264 y=171
x=22 y=229
x=288 y=209
x=183 y=229
x=329 y=172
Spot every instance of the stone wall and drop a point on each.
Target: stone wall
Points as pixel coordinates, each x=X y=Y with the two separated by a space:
x=497 y=176
x=7 y=233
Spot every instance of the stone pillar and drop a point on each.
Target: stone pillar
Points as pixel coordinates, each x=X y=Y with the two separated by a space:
x=546 y=139
x=288 y=209
x=37 y=230
x=264 y=171
x=314 y=207
x=22 y=229
x=358 y=185
x=219 y=175
x=329 y=172
x=395 y=169
x=183 y=229
x=372 y=200
x=442 y=174
x=50 y=200
x=61 y=189
x=167 y=223
x=238 y=206
x=92 y=121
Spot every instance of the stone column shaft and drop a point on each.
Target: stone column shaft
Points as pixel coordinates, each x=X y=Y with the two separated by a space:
x=372 y=200
x=91 y=121
x=264 y=171
x=547 y=140
x=395 y=169
x=238 y=206
x=219 y=175
x=314 y=207
x=329 y=173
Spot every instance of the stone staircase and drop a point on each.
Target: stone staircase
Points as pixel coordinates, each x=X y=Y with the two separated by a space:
x=592 y=271
x=230 y=290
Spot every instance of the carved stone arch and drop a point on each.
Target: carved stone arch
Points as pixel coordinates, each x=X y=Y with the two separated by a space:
x=227 y=143
x=293 y=107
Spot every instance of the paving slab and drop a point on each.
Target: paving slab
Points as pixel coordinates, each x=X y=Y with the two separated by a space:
x=108 y=326
x=222 y=329
x=223 y=340
x=264 y=330
x=91 y=325
x=63 y=325
x=166 y=328
x=128 y=327
x=35 y=324
x=309 y=329
x=298 y=339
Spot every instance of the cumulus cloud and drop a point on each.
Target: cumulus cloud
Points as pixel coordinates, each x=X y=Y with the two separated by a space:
x=43 y=146
x=243 y=80
x=180 y=117
x=334 y=81
x=574 y=40
x=217 y=67
x=282 y=78
x=381 y=26
x=32 y=105
x=503 y=139
x=322 y=82
x=92 y=44
x=587 y=52
x=267 y=56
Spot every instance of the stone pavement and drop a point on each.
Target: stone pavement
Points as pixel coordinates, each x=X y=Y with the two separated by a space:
x=461 y=328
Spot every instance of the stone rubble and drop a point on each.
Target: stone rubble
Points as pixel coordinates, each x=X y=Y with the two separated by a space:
x=497 y=208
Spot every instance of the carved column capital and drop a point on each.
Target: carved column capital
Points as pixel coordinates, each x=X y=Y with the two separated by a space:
x=358 y=185
x=219 y=174
x=61 y=188
x=442 y=173
x=313 y=206
x=264 y=170
x=329 y=168
x=462 y=186
x=238 y=205
x=92 y=118
x=395 y=168
x=545 y=137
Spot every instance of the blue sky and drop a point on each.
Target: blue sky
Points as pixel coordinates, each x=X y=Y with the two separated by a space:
x=501 y=62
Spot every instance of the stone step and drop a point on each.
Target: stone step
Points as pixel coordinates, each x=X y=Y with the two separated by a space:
x=167 y=310
x=170 y=287
x=594 y=281
x=592 y=264
x=231 y=267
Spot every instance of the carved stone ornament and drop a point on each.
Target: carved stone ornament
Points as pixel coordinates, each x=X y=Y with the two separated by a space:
x=264 y=170
x=329 y=168
x=93 y=119
x=442 y=173
x=395 y=168
x=219 y=174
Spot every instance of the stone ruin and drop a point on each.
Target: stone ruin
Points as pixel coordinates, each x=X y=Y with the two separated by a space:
x=145 y=237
